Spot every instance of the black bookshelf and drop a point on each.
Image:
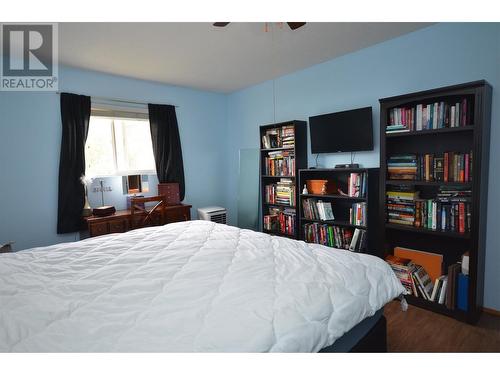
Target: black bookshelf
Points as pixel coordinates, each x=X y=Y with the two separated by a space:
x=341 y=203
x=299 y=149
x=473 y=136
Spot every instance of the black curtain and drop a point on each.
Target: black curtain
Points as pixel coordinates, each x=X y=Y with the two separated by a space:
x=75 y=116
x=166 y=145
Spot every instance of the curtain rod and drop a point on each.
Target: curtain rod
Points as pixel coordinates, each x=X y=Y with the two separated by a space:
x=118 y=100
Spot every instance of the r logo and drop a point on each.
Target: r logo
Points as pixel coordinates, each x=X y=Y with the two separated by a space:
x=29 y=57
x=27 y=50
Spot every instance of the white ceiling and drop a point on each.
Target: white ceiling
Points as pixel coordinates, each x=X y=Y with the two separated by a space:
x=201 y=56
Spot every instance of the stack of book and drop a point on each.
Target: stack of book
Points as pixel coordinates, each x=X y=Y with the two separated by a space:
x=450 y=211
x=416 y=280
x=356 y=184
x=280 y=163
x=288 y=136
x=335 y=236
x=279 y=137
x=402 y=167
x=403 y=269
x=280 y=221
x=430 y=116
x=401 y=205
x=283 y=192
x=357 y=214
x=317 y=210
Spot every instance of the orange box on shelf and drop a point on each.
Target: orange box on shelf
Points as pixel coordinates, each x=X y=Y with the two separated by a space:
x=321 y=187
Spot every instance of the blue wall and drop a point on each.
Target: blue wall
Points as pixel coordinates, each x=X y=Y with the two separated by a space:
x=30 y=136
x=215 y=127
x=439 y=55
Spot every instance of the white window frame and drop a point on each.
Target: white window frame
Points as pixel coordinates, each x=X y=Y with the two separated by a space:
x=117 y=114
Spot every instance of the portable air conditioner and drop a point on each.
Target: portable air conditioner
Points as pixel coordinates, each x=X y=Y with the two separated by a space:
x=215 y=214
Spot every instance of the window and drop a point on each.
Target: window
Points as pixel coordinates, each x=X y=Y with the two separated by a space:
x=118 y=146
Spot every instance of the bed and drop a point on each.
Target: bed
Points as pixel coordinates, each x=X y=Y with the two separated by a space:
x=193 y=286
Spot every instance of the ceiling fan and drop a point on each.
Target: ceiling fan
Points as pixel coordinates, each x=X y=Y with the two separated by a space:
x=292 y=25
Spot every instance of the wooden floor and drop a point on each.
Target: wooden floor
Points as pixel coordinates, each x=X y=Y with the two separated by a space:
x=419 y=330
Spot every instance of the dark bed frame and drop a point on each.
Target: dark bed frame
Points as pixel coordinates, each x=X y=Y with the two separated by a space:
x=375 y=341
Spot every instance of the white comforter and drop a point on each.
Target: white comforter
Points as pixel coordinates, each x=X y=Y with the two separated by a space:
x=184 y=287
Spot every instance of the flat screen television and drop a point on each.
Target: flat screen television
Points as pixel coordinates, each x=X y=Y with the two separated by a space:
x=345 y=131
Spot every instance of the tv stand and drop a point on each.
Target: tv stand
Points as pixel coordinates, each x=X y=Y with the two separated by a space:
x=347 y=166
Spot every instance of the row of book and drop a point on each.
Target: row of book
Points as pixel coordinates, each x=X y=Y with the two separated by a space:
x=280 y=221
x=280 y=163
x=335 y=236
x=450 y=210
x=430 y=116
x=317 y=210
x=450 y=289
x=358 y=214
x=357 y=184
x=444 y=167
x=283 y=192
x=279 y=137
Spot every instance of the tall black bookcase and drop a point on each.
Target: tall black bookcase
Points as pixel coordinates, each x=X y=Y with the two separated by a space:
x=299 y=149
x=341 y=203
x=471 y=136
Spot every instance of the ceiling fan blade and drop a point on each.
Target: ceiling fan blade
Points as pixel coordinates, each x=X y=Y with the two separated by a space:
x=221 y=24
x=295 y=25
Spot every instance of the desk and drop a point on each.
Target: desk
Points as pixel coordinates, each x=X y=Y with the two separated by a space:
x=119 y=222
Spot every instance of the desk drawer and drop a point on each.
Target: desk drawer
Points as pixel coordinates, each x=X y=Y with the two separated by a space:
x=98 y=229
x=178 y=214
x=118 y=226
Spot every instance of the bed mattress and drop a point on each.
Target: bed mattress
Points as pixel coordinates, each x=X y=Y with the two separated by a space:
x=193 y=286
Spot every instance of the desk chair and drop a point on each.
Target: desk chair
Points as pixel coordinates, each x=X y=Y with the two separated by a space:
x=143 y=216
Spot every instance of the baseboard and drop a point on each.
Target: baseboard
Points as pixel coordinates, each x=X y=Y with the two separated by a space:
x=487 y=310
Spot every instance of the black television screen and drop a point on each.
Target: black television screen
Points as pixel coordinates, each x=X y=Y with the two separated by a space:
x=344 y=131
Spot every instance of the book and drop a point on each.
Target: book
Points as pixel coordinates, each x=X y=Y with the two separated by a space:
x=280 y=163
x=442 y=292
x=438 y=288
x=435 y=289
x=424 y=281
x=283 y=136
x=462 y=292
x=317 y=210
x=283 y=192
x=449 y=211
x=446 y=166
x=356 y=239
x=280 y=220
x=328 y=211
x=437 y=115
x=451 y=290
x=357 y=214
x=333 y=236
